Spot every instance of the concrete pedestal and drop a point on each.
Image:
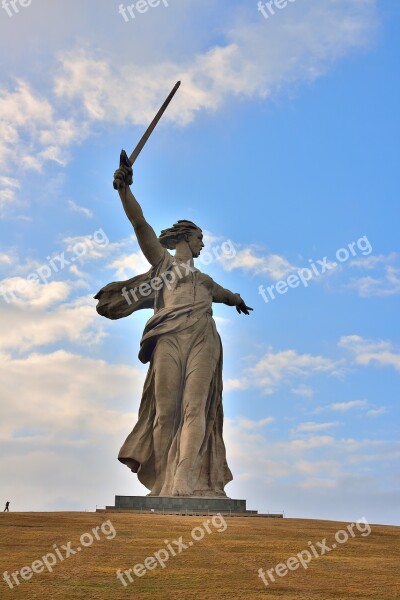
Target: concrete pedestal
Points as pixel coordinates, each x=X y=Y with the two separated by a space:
x=181 y=505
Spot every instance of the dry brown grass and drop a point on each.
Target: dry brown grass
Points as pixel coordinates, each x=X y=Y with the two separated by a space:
x=220 y=566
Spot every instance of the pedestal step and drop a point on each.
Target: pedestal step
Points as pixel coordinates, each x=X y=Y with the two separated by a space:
x=180 y=505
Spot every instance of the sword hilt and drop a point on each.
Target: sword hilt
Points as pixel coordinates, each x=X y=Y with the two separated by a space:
x=123 y=162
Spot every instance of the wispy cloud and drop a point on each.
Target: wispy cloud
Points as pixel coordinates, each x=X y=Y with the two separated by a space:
x=366 y=352
x=8 y=190
x=80 y=209
x=384 y=279
x=249 y=424
x=345 y=406
x=315 y=441
x=303 y=390
x=26 y=113
x=279 y=368
x=87 y=88
x=312 y=426
x=42 y=318
x=275 y=368
x=312 y=39
x=248 y=259
x=6 y=259
x=128 y=265
x=376 y=412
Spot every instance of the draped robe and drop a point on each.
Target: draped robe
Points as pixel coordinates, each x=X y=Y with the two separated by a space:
x=190 y=313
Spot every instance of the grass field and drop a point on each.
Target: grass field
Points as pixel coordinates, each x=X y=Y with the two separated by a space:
x=223 y=564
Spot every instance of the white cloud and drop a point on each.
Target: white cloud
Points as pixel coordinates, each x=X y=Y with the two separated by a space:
x=344 y=406
x=384 y=282
x=32 y=294
x=248 y=424
x=8 y=189
x=6 y=259
x=309 y=455
x=315 y=441
x=31 y=133
x=281 y=367
x=371 y=262
x=375 y=412
x=128 y=265
x=386 y=285
x=303 y=390
x=77 y=272
x=80 y=209
x=300 y=47
x=312 y=426
x=90 y=400
x=366 y=352
x=31 y=324
x=65 y=418
x=222 y=322
x=318 y=467
x=275 y=369
x=272 y=265
x=234 y=384
x=334 y=476
x=91 y=247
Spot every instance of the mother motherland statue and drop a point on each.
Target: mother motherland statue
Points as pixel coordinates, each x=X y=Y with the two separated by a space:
x=176 y=447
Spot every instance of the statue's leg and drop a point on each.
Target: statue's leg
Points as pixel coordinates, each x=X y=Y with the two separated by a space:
x=168 y=374
x=200 y=368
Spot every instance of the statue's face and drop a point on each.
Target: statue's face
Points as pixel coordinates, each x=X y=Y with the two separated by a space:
x=195 y=241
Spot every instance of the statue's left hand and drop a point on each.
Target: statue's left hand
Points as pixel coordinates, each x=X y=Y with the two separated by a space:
x=242 y=308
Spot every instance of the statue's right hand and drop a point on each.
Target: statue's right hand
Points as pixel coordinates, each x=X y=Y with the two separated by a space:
x=123 y=177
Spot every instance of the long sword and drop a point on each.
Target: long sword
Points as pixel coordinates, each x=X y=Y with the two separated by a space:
x=128 y=162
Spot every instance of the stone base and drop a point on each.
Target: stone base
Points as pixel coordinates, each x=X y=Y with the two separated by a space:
x=181 y=505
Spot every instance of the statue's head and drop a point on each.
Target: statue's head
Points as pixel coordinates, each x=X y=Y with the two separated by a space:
x=183 y=231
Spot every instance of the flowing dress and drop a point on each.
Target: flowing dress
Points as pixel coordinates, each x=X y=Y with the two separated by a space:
x=181 y=341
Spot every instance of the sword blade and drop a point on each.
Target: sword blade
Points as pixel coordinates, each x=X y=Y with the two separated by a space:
x=153 y=124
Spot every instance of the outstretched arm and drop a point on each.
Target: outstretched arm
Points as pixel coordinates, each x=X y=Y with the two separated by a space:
x=146 y=236
x=225 y=296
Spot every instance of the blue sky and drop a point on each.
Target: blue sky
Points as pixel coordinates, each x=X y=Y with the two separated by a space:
x=282 y=144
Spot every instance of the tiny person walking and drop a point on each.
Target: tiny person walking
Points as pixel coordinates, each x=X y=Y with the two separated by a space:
x=6 y=508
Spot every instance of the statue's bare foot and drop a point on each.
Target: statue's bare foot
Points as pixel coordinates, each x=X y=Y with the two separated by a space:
x=181 y=488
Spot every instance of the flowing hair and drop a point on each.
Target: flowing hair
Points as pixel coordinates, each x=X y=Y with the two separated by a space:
x=179 y=231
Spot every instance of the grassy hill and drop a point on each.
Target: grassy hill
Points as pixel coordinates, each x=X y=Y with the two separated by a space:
x=213 y=560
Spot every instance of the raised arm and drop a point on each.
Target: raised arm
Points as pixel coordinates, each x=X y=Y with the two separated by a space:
x=225 y=296
x=146 y=236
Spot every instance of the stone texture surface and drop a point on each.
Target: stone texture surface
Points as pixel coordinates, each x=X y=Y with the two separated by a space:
x=176 y=447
